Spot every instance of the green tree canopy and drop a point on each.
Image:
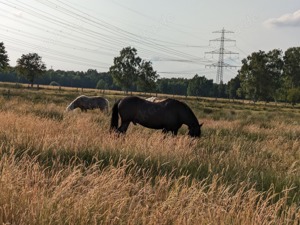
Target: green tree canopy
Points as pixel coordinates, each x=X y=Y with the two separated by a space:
x=261 y=74
x=293 y=96
x=101 y=84
x=146 y=77
x=200 y=86
x=3 y=57
x=173 y=85
x=233 y=86
x=30 y=66
x=125 y=68
x=291 y=68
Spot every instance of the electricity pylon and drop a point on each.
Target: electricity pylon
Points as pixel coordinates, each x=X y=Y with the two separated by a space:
x=221 y=52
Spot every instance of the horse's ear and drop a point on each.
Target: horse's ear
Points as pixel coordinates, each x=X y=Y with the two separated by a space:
x=200 y=124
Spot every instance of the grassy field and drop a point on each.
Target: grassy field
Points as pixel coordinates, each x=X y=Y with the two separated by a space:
x=66 y=168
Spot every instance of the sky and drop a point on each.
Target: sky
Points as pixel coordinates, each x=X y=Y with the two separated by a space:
x=177 y=36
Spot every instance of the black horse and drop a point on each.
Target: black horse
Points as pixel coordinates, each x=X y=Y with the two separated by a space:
x=168 y=115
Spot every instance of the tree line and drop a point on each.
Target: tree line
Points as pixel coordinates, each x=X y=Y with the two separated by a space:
x=268 y=76
x=263 y=76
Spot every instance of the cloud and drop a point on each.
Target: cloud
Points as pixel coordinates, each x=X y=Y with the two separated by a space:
x=286 y=20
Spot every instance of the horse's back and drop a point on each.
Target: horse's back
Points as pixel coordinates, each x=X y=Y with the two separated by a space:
x=91 y=102
x=148 y=114
x=130 y=103
x=137 y=102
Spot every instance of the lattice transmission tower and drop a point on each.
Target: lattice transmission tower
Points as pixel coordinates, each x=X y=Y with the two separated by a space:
x=221 y=52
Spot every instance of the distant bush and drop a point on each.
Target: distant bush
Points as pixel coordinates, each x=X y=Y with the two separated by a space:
x=293 y=96
x=54 y=83
x=101 y=84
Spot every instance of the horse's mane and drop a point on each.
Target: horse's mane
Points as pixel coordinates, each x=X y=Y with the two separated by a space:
x=155 y=99
x=107 y=102
x=81 y=96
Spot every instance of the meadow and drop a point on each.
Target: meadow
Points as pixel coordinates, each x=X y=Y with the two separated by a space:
x=66 y=168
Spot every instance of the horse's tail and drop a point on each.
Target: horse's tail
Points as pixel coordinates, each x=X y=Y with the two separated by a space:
x=115 y=116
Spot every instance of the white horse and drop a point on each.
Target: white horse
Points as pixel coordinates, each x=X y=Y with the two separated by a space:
x=85 y=102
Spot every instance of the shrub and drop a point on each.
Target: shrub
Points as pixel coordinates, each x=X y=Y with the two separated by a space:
x=293 y=96
x=54 y=83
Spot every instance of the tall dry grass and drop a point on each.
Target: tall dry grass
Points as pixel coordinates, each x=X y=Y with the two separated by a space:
x=59 y=168
x=32 y=194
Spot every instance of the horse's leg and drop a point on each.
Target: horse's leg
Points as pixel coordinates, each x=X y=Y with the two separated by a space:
x=164 y=131
x=124 y=126
x=174 y=132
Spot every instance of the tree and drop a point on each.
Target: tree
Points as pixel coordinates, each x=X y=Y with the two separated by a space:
x=162 y=85
x=233 y=86
x=146 y=77
x=240 y=93
x=274 y=72
x=101 y=84
x=222 y=90
x=291 y=68
x=30 y=66
x=200 y=86
x=3 y=57
x=125 y=68
x=261 y=74
x=293 y=95
x=249 y=74
x=175 y=86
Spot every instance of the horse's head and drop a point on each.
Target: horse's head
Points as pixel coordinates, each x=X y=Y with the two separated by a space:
x=195 y=131
x=72 y=106
x=69 y=108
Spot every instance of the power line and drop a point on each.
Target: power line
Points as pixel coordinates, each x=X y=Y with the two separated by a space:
x=57 y=58
x=87 y=31
x=114 y=30
x=118 y=31
x=52 y=53
x=155 y=20
x=50 y=41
